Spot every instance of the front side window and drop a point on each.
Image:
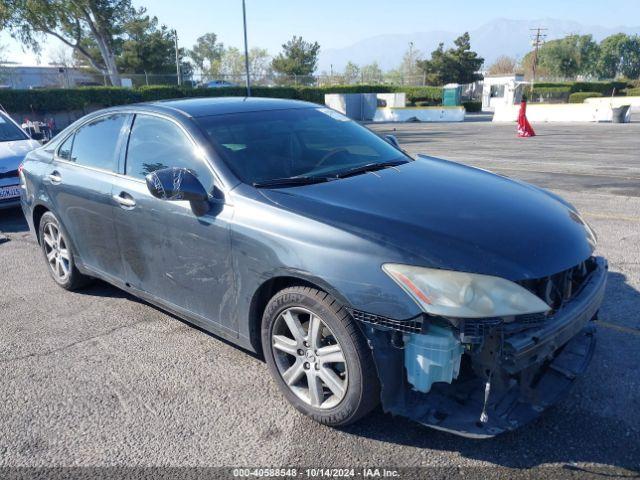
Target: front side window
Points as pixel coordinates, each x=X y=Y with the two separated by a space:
x=96 y=144
x=266 y=145
x=64 y=151
x=157 y=143
x=9 y=132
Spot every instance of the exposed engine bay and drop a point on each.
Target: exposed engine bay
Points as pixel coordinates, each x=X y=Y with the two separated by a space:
x=481 y=377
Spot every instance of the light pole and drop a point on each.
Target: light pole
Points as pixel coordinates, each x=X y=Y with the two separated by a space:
x=246 y=49
x=175 y=33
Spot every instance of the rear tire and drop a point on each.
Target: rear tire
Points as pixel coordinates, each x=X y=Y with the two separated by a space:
x=59 y=255
x=329 y=369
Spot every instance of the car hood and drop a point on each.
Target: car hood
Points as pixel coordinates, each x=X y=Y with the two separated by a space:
x=442 y=214
x=12 y=153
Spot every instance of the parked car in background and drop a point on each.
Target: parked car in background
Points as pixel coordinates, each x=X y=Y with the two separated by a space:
x=14 y=145
x=217 y=84
x=458 y=298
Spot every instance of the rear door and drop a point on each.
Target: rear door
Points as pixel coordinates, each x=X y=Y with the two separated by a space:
x=168 y=252
x=79 y=183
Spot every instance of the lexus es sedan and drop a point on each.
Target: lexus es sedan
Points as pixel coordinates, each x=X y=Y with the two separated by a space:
x=458 y=298
x=14 y=145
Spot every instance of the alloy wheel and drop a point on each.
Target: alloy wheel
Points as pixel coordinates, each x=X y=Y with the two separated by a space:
x=309 y=358
x=56 y=251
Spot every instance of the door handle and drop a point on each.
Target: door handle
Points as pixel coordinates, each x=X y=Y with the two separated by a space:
x=125 y=200
x=55 y=177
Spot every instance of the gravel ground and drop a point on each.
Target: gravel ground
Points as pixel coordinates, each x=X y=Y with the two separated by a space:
x=99 y=378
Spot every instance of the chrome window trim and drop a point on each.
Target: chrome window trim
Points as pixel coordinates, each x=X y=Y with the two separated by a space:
x=135 y=112
x=58 y=158
x=193 y=141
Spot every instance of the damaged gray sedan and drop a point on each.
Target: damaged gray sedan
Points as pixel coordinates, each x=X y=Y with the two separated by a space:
x=458 y=298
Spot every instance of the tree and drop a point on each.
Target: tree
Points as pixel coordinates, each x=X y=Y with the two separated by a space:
x=371 y=73
x=207 y=53
x=232 y=62
x=63 y=57
x=619 y=55
x=566 y=57
x=351 y=73
x=73 y=22
x=504 y=65
x=409 y=67
x=455 y=65
x=259 y=62
x=466 y=62
x=298 y=57
x=147 y=47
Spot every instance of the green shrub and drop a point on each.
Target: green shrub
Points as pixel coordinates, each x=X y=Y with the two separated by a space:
x=52 y=100
x=420 y=94
x=633 y=92
x=316 y=94
x=472 y=107
x=605 y=88
x=58 y=99
x=580 y=97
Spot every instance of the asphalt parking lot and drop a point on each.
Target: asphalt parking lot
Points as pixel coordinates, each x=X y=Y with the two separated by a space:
x=100 y=378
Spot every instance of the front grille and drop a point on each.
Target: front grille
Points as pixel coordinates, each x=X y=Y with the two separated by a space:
x=9 y=174
x=412 y=325
x=475 y=330
x=561 y=287
x=555 y=290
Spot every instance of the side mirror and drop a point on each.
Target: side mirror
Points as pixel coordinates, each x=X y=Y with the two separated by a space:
x=179 y=184
x=176 y=184
x=393 y=141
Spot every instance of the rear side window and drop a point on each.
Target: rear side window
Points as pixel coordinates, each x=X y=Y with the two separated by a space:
x=157 y=143
x=96 y=144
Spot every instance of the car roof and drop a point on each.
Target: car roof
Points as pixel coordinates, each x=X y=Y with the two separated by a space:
x=206 y=106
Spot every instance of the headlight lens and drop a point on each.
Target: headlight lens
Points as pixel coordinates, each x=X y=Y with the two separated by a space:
x=464 y=295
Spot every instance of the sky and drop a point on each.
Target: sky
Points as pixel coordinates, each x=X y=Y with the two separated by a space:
x=339 y=23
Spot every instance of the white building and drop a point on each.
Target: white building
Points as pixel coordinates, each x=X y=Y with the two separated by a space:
x=26 y=77
x=500 y=89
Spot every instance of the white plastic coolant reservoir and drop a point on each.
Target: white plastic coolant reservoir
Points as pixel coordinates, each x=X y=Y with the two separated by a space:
x=432 y=357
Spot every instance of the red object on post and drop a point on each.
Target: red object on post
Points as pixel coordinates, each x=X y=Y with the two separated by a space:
x=524 y=127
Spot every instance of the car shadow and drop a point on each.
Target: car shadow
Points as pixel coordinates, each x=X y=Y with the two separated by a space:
x=12 y=221
x=565 y=434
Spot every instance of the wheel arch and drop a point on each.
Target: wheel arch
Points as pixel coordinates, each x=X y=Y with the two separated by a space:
x=38 y=211
x=269 y=288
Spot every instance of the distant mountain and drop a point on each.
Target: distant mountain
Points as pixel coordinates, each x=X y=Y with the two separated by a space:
x=499 y=37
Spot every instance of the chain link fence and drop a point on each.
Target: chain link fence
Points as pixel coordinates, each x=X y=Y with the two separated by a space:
x=17 y=77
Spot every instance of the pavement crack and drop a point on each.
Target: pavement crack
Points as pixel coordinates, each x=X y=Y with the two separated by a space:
x=619 y=328
x=70 y=345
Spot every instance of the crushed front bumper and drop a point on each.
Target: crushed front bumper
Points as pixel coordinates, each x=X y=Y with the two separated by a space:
x=528 y=372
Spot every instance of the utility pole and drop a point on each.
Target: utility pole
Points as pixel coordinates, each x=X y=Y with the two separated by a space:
x=175 y=36
x=537 y=40
x=246 y=49
x=411 y=66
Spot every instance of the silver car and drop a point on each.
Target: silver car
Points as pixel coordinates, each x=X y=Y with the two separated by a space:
x=14 y=145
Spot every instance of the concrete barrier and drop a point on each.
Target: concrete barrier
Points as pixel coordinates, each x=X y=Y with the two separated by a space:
x=571 y=112
x=422 y=114
x=395 y=100
x=634 y=102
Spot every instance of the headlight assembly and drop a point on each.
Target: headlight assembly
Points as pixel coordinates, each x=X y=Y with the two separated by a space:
x=464 y=295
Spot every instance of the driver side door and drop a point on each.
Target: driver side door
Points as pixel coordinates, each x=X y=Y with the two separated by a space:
x=176 y=258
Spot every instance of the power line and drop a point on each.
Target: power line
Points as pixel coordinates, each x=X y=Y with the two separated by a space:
x=538 y=38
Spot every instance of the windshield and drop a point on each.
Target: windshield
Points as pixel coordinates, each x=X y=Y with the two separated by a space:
x=311 y=142
x=9 y=132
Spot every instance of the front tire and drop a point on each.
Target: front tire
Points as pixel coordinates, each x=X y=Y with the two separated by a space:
x=318 y=356
x=59 y=255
